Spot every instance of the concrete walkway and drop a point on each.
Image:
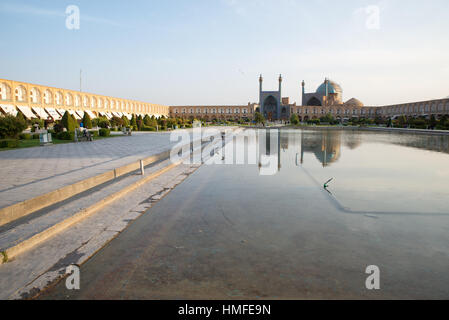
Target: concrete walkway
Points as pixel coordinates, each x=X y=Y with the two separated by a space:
x=33 y=270
x=27 y=173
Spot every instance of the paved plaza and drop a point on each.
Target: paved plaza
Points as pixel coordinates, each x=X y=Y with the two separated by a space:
x=27 y=173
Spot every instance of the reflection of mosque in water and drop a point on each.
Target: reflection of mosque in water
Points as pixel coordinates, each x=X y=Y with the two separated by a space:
x=326 y=145
x=291 y=146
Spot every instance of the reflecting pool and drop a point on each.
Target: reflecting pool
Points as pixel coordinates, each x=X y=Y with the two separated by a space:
x=230 y=232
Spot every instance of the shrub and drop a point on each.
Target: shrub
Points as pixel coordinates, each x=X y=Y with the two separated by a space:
x=105 y=132
x=68 y=122
x=294 y=119
x=11 y=127
x=39 y=122
x=9 y=143
x=259 y=118
x=69 y=136
x=148 y=128
x=94 y=133
x=25 y=136
x=87 y=121
x=103 y=122
x=36 y=136
x=313 y=121
x=58 y=127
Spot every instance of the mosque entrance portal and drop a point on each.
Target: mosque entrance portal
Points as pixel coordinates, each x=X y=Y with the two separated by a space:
x=270 y=108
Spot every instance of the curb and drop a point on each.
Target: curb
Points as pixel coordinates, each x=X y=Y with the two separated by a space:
x=24 y=208
x=27 y=244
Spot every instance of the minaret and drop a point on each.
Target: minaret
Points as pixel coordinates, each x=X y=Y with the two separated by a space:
x=303 y=84
x=260 y=94
x=280 y=98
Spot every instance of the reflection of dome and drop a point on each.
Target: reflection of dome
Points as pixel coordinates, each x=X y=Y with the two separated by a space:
x=333 y=87
x=354 y=102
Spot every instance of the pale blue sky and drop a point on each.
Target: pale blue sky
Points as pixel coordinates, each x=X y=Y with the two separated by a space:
x=212 y=51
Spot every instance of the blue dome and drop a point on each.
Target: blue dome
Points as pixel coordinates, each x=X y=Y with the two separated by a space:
x=333 y=87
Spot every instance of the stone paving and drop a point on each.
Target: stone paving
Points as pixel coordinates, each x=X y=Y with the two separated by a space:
x=27 y=173
x=26 y=275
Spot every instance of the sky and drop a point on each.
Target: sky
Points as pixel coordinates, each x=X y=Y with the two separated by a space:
x=211 y=52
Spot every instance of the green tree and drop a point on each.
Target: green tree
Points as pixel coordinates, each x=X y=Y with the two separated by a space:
x=433 y=121
x=294 y=119
x=402 y=121
x=125 y=121
x=328 y=118
x=116 y=122
x=259 y=118
x=103 y=122
x=11 y=127
x=134 y=122
x=68 y=122
x=87 y=121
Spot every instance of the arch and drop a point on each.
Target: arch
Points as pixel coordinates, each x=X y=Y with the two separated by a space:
x=100 y=103
x=77 y=100
x=93 y=102
x=35 y=95
x=270 y=107
x=314 y=102
x=85 y=101
x=20 y=93
x=68 y=99
x=48 y=97
x=58 y=98
x=5 y=91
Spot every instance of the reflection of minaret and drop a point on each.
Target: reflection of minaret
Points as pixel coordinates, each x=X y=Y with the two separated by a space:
x=324 y=148
x=279 y=149
x=302 y=147
x=280 y=97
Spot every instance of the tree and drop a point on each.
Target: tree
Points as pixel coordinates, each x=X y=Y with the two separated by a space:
x=125 y=121
x=259 y=118
x=87 y=121
x=11 y=127
x=134 y=122
x=116 y=122
x=68 y=122
x=402 y=121
x=294 y=119
x=433 y=122
x=328 y=118
x=75 y=121
x=103 y=122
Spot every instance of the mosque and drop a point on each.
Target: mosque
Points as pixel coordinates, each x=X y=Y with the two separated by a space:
x=329 y=94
